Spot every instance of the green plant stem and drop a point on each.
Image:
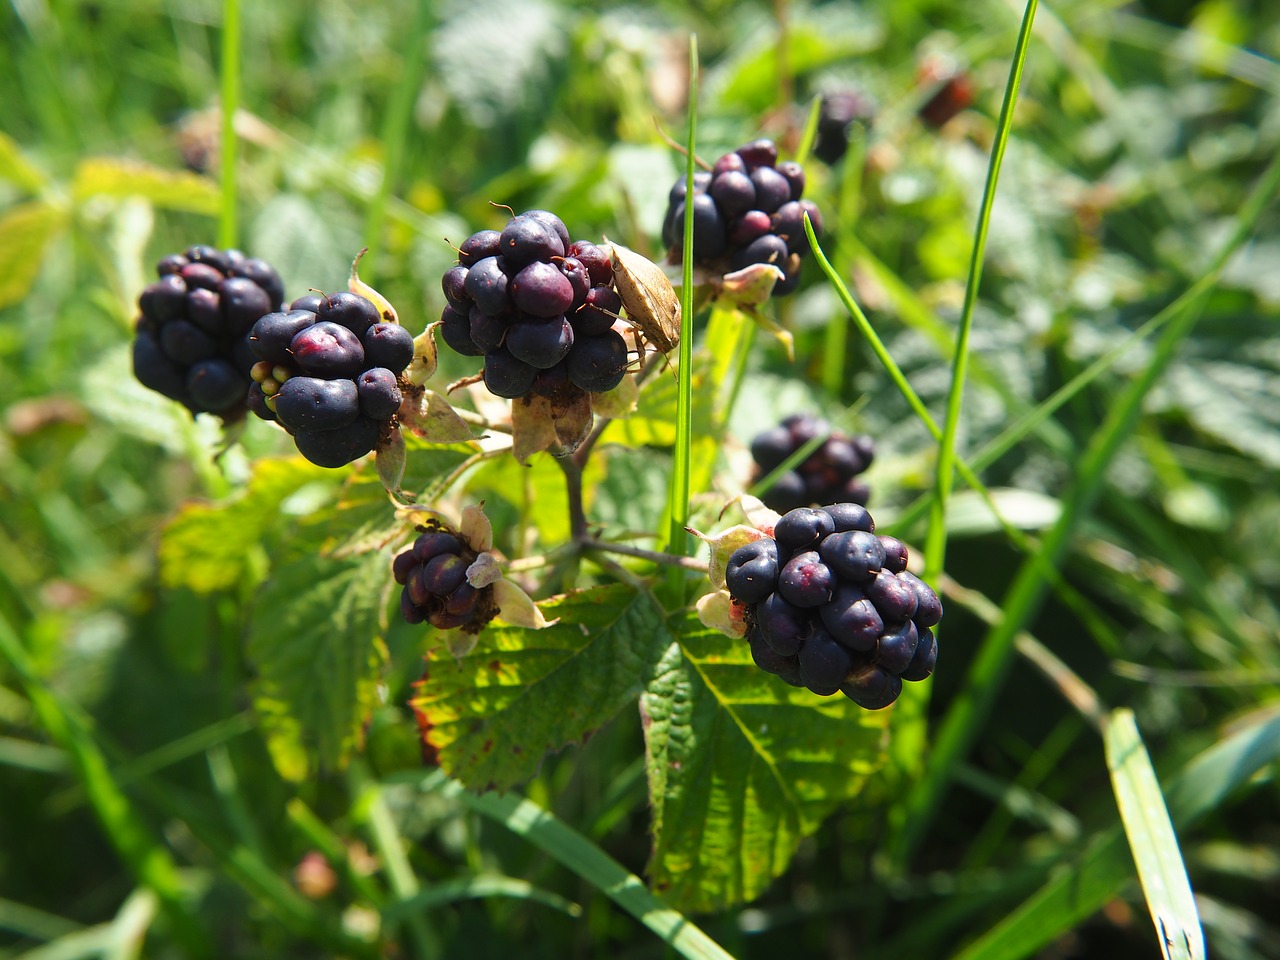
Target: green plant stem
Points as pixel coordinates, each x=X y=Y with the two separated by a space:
x=230 y=105
x=395 y=129
x=678 y=499
x=966 y=717
x=936 y=539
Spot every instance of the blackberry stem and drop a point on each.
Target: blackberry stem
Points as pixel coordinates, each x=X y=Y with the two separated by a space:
x=662 y=559
x=572 y=470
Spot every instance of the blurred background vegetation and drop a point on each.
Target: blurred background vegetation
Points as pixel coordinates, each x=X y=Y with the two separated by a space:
x=1141 y=129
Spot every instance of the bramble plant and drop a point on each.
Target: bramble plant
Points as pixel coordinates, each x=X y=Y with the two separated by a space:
x=539 y=608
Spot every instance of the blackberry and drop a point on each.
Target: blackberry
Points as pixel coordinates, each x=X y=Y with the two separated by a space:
x=825 y=608
x=538 y=306
x=335 y=384
x=191 y=342
x=838 y=117
x=828 y=475
x=746 y=210
x=433 y=574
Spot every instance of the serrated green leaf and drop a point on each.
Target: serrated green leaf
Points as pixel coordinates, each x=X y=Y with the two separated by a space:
x=741 y=768
x=25 y=231
x=492 y=715
x=315 y=643
x=169 y=189
x=210 y=546
x=17 y=169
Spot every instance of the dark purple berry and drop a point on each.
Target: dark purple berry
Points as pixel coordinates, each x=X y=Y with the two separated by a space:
x=784 y=626
x=595 y=260
x=928 y=606
x=335 y=448
x=309 y=403
x=824 y=663
x=204 y=309
x=257 y=402
x=770 y=661
x=505 y=376
x=486 y=285
x=328 y=350
x=443 y=574
x=184 y=343
x=214 y=386
x=408 y=609
x=597 y=314
x=243 y=302
x=402 y=566
x=540 y=343
x=201 y=276
x=852 y=619
x=803 y=528
x=598 y=364
x=173 y=263
x=758 y=153
x=166 y=299
x=454 y=284
x=576 y=272
x=793 y=173
x=156 y=371
x=388 y=345
x=547 y=218
x=488 y=332
x=896 y=647
x=455 y=329
x=850 y=516
x=787 y=493
x=734 y=193
x=748 y=227
x=752 y=571
x=895 y=554
x=926 y=657
x=894 y=597
x=772 y=189
x=526 y=239
x=308 y=301
x=380 y=395
x=854 y=555
x=770 y=448
x=271 y=336
x=349 y=310
x=541 y=290
x=478 y=246
x=769 y=248
x=871 y=687
x=806 y=581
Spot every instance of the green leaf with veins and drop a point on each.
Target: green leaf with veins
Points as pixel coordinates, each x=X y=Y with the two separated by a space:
x=741 y=768
x=491 y=715
x=315 y=642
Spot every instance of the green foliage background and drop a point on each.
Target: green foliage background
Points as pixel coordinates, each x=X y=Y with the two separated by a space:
x=193 y=648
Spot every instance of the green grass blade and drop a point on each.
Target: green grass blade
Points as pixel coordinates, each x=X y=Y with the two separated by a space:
x=1097 y=875
x=146 y=857
x=1151 y=839
x=475 y=888
x=678 y=499
x=936 y=540
x=230 y=96
x=967 y=715
x=371 y=801
x=34 y=923
x=556 y=838
x=395 y=130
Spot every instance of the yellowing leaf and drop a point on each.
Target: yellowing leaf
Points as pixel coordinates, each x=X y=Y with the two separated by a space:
x=169 y=189
x=25 y=231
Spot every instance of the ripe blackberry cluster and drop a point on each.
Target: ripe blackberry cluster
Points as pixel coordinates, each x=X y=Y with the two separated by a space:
x=746 y=210
x=434 y=574
x=829 y=474
x=537 y=306
x=838 y=115
x=191 y=342
x=831 y=606
x=328 y=370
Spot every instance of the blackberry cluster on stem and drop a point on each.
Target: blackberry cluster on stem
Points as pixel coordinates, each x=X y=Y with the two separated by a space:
x=831 y=606
x=329 y=371
x=191 y=340
x=829 y=474
x=538 y=306
x=747 y=209
x=839 y=114
x=433 y=572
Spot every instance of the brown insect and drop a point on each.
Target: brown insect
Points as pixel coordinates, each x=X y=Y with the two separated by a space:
x=647 y=296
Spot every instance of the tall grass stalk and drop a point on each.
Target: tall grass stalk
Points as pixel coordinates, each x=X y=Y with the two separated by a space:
x=230 y=147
